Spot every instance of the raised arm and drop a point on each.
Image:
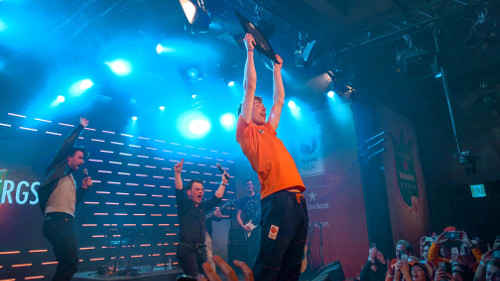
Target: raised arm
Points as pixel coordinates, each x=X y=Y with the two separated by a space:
x=222 y=187
x=178 y=178
x=278 y=94
x=68 y=142
x=249 y=80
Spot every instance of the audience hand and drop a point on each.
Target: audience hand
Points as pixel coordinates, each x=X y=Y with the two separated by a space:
x=211 y=275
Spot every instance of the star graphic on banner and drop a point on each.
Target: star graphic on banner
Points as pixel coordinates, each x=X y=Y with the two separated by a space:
x=312 y=196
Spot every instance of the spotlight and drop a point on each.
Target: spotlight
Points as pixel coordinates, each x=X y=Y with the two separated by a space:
x=193 y=96
x=231 y=83
x=162 y=108
x=80 y=87
x=197 y=15
x=160 y=49
x=134 y=118
x=303 y=50
x=228 y=121
x=120 y=67
x=192 y=73
x=61 y=99
x=295 y=110
x=199 y=126
x=330 y=94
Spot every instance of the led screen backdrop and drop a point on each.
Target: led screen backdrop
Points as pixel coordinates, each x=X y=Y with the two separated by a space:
x=132 y=196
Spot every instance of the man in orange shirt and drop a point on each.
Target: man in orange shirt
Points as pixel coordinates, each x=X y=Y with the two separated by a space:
x=284 y=218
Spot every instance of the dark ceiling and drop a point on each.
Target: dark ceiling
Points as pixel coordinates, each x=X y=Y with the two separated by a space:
x=384 y=48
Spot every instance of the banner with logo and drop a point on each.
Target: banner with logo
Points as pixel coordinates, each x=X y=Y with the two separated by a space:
x=405 y=183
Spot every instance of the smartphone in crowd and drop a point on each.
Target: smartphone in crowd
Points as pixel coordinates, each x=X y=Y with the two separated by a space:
x=496 y=254
x=452 y=235
x=445 y=266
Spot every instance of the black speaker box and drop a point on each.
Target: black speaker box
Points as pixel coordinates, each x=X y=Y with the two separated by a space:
x=330 y=272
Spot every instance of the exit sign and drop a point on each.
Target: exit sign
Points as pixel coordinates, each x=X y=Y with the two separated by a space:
x=477 y=190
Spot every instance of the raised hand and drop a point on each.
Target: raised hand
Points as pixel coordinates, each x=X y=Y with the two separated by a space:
x=279 y=64
x=84 y=122
x=217 y=212
x=178 y=166
x=249 y=42
x=211 y=275
x=86 y=182
x=225 y=178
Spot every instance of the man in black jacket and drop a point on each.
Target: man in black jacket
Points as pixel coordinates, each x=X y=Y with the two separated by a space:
x=59 y=195
x=191 y=210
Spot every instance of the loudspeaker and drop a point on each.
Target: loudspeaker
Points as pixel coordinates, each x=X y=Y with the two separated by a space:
x=330 y=272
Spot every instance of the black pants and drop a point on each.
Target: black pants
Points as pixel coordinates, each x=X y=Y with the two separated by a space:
x=57 y=228
x=283 y=236
x=191 y=257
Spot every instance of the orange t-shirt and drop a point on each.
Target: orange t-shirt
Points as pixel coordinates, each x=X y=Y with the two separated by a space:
x=268 y=157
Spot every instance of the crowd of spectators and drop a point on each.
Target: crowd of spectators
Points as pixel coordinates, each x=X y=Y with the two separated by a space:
x=449 y=256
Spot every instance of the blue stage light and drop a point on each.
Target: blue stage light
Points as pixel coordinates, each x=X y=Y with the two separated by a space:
x=3 y=26
x=120 y=67
x=193 y=124
x=162 y=108
x=295 y=110
x=199 y=126
x=193 y=96
x=61 y=98
x=330 y=94
x=228 y=121
x=79 y=87
x=230 y=84
x=134 y=118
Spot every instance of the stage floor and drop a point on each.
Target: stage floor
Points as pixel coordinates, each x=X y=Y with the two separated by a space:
x=144 y=273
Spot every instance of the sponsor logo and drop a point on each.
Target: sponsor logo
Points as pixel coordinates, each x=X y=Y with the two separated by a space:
x=273 y=232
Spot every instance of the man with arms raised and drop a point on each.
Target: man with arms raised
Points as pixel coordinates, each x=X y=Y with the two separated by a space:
x=284 y=219
x=191 y=210
x=59 y=194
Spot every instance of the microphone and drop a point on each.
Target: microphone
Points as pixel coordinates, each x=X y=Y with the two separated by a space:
x=85 y=172
x=222 y=170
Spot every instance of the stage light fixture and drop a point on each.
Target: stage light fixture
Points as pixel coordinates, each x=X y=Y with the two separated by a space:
x=197 y=15
x=134 y=118
x=193 y=96
x=61 y=99
x=303 y=50
x=330 y=94
x=230 y=84
x=162 y=108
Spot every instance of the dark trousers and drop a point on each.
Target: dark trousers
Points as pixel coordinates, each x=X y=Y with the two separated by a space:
x=57 y=228
x=281 y=250
x=191 y=257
